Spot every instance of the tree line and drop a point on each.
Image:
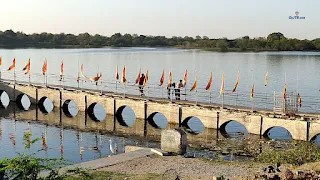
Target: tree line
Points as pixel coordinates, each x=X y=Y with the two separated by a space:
x=274 y=42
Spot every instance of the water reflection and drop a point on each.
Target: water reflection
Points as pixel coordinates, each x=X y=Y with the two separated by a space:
x=23 y=102
x=278 y=133
x=97 y=112
x=45 y=105
x=233 y=129
x=4 y=99
x=126 y=116
x=91 y=145
x=158 y=120
x=193 y=125
x=70 y=108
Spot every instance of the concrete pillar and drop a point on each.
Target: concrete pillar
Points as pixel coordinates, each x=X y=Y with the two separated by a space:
x=218 y=128
x=37 y=99
x=145 y=119
x=85 y=110
x=261 y=124
x=180 y=116
x=114 y=114
x=308 y=131
x=60 y=105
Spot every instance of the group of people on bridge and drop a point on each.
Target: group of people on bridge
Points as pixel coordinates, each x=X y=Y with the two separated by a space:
x=176 y=90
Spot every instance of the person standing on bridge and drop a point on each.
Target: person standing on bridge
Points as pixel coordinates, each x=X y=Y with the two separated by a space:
x=178 y=90
x=141 y=82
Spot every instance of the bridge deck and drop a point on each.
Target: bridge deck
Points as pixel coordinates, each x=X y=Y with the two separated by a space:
x=162 y=100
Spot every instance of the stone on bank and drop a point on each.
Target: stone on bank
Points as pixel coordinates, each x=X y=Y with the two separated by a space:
x=174 y=141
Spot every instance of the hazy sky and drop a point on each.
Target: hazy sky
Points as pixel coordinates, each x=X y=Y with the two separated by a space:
x=213 y=18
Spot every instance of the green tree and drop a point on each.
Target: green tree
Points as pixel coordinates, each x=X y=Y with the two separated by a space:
x=222 y=44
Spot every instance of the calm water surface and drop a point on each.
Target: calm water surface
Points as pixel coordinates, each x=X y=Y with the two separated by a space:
x=301 y=69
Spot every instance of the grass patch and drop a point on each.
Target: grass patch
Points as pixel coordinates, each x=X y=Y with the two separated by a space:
x=297 y=153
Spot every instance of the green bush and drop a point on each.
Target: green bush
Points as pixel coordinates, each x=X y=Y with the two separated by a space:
x=298 y=153
x=27 y=166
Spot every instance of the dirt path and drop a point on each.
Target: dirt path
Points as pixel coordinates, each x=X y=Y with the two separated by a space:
x=187 y=168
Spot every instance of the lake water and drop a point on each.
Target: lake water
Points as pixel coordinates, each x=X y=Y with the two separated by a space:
x=299 y=68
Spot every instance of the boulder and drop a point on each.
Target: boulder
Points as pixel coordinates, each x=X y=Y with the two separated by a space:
x=174 y=141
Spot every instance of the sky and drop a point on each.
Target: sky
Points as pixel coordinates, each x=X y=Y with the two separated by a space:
x=212 y=18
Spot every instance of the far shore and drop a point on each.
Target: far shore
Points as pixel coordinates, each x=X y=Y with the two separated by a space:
x=169 y=47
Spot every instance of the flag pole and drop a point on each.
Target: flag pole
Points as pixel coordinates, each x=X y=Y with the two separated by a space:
x=285 y=98
x=252 y=99
x=237 y=97
x=196 y=97
x=210 y=96
x=125 y=88
x=222 y=99
x=46 y=80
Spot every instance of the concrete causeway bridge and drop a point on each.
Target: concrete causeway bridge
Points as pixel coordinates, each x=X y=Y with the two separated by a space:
x=260 y=121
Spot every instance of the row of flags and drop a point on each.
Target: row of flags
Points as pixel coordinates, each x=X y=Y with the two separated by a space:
x=27 y=69
x=208 y=86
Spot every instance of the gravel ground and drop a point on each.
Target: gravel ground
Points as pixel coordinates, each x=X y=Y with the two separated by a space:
x=187 y=168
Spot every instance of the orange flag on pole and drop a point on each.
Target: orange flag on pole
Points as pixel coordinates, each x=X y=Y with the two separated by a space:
x=61 y=68
x=44 y=67
x=266 y=79
x=222 y=84
x=170 y=79
x=96 y=78
x=237 y=83
x=185 y=78
x=162 y=78
x=123 y=79
x=299 y=100
x=285 y=92
x=138 y=77
x=209 y=83
x=117 y=74
x=146 y=79
x=252 y=91
x=13 y=65
x=81 y=71
x=27 y=67
x=194 y=86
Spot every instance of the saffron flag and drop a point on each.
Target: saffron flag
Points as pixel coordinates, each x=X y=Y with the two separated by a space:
x=194 y=86
x=44 y=67
x=299 y=100
x=27 y=67
x=252 y=91
x=81 y=71
x=138 y=77
x=170 y=80
x=266 y=80
x=13 y=65
x=185 y=78
x=0 y=61
x=162 y=78
x=117 y=74
x=222 y=84
x=285 y=92
x=123 y=78
x=61 y=68
x=209 y=83
x=96 y=78
x=237 y=82
x=146 y=79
